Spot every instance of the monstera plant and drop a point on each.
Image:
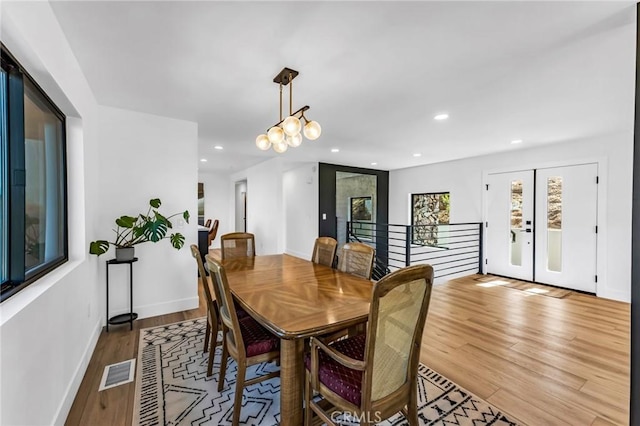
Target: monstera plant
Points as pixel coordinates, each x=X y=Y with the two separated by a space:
x=132 y=230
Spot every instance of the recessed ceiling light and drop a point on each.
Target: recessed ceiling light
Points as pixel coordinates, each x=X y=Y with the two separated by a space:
x=374 y=164
x=335 y=150
x=515 y=141
x=218 y=147
x=417 y=154
x=442 y=116
x=204 y=160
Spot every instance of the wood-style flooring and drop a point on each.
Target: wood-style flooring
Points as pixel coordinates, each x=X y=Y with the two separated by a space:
x=543 y=360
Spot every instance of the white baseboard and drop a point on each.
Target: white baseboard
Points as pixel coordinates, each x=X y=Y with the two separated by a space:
x=620 y=296
x=147 y=311
x=301 y=255
x=74 y=385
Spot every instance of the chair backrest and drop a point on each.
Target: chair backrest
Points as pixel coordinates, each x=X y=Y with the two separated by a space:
x=237 y=244
x=357 y=259
x=208 y=223
x=213 y=231
x=226 y=307
x=205 y=280
x=399 y=306
x=324 y=251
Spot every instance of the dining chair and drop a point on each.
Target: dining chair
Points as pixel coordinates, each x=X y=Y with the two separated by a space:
x=213 y=322
x=324 y=251
x=246 y=341
x=208 y=223
x=357 y=259
x=373 y=375
x=213 y=231
x=237 y=244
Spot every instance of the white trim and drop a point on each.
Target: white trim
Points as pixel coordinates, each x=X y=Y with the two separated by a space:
x=294 y=253
x=19 y=301
x=74 y=384
x=154 y=310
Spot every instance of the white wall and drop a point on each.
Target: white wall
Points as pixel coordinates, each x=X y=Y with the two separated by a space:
x=48 y=331
x=282 y=206
x=217 y=200
x=464 y=180
x=143 y=157
x=301 y=205
x=265 y=217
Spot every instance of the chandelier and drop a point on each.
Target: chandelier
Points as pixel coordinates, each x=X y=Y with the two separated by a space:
x=286 y=132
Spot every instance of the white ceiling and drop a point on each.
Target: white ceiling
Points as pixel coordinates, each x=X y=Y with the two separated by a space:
x=374 y=73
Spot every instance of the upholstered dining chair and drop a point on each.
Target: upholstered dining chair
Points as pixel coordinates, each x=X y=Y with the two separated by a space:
x=373 y=375
x=246 y=341
x=357 y=259
x=213 y=322
x=213 y=231
x=237 y=244
x=324 y=251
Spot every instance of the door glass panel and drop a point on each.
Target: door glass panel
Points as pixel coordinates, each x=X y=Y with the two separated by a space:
x=554 y=223
x=516 y=223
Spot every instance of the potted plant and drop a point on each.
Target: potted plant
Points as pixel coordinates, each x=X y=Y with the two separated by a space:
x=132 y=230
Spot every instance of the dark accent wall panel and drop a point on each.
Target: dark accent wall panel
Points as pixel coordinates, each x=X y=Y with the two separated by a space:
x=327 y=178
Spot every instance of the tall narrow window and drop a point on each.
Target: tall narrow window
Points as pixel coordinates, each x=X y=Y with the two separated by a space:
x=516 y=223
x=33 y=191
x=554 y=224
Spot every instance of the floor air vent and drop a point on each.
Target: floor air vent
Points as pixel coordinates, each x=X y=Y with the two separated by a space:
x=118 y=374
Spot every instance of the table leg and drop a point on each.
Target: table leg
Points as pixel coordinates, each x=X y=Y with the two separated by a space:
x=291 y=379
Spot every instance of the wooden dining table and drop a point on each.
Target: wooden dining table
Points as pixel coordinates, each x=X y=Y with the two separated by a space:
x=296 y=299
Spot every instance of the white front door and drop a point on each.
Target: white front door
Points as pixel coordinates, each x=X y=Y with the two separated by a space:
x=509 y=225
x=566 y=219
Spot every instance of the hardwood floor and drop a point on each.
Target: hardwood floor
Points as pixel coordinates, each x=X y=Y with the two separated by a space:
x=541 y=359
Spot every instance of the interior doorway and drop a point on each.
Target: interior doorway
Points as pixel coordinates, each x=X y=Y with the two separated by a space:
x=542 y=225
x=241 y=206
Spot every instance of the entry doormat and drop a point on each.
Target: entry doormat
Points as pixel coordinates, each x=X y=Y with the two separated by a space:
x=172 y=388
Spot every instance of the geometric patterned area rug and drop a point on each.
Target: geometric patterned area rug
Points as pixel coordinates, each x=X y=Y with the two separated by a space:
x=172 y=388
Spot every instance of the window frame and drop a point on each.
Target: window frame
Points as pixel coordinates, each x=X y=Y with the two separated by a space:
x=17 y=277
x=415 y=239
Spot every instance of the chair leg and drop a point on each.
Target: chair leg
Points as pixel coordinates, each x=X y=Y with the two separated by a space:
x=412 y=407
x=206 y=336
x=223 y=365
x=308 y=412
x=237 y=401
x=212 y=350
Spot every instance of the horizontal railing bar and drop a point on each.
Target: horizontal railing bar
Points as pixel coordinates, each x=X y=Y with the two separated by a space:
x=455 y=272
x=457 y=266
x=452 y=249
x=442 y=257
x=454 y=261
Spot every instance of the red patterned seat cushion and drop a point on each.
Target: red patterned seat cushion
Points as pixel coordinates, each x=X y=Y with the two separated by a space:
x=342 y=380
x=257 y=339
x=239 y=311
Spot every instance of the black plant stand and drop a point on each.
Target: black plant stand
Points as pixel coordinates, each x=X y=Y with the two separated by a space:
x=131 y=316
